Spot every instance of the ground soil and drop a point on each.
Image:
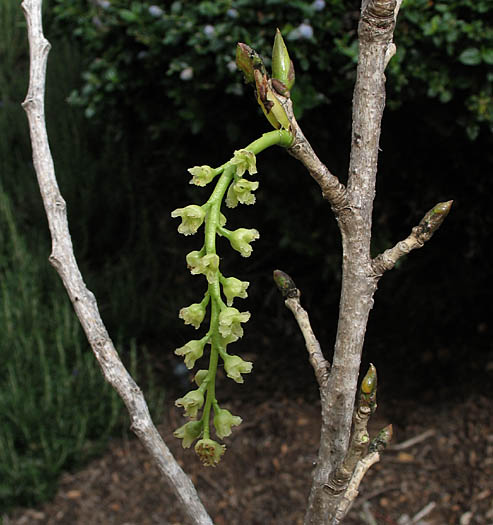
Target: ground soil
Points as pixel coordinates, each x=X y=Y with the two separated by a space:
x=264 y=478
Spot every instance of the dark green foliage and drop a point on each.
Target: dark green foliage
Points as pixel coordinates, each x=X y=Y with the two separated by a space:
x=56 y=411
x=142 y=57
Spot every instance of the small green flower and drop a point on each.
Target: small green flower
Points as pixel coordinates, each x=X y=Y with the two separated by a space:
x=191 y=402
x=202 y=175
x=209 y=452
x=200 y=376
x=192 y=217
x=230 y=320
x=193 y=314
x=244 y=160
x=223 y=421
x=233 y=287
x=240 y=191
x=206 y=264
x=241 y=238
x=192 y=351
x=189 y=432
x=235 y=366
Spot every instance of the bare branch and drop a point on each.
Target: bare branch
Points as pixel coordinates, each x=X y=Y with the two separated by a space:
x=84 y=302
x=414 y=440
x=421 y=233
x=360 y=439
x=376 y=447
x=292 y=301
x=332 y=189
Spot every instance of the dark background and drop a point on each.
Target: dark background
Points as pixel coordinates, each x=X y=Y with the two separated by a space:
x=124 y=127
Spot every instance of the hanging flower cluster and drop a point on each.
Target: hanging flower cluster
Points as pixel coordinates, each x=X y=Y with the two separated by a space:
x=226 y=321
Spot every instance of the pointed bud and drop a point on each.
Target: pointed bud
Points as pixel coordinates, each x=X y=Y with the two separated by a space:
x=434 y=218
x=383 y=438
x=368 y=389
x=282 y=66
x=369 y=383
x=285 y=284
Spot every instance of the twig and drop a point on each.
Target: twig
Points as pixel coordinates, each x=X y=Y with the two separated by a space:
x=292 y=301
x=85 y=305
x=420 y=234
x=423 y=512
x=352 y=491
x=414 y=440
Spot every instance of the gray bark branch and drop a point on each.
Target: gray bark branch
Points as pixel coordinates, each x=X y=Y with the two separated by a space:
x=63 y=259
x=358 y=280
x=319 y=363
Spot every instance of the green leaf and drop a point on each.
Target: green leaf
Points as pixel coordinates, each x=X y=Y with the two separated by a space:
x=128 y=16
x=487 y=55
x=470 y=56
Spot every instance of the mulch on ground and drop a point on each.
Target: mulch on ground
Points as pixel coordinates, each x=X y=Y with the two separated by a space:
x=439 y=471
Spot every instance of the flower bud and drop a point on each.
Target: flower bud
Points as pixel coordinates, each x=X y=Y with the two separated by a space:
x=223 y=421
x=207 y=265
x=192 y=217
x=235 y=366
x=244 y=160
x=193 y=314
x=200 y=376
x=240 y=191
x=209 y=452
x=192 y=351
x=189 y=432
x=230 y=320
x=191 y=402
x=241 y=238
x=202 y=175
x=282 y=66
x=233 y=287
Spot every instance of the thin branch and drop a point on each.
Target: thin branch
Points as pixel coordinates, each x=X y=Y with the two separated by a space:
x=63 y=259
x=414 y=440
x=420 y=234
x=376 y=447
x=332 y=188
x=292 y=301
x=367 y=404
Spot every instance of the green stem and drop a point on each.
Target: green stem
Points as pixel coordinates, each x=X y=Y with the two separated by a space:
x=211 y=386
x=278 y=137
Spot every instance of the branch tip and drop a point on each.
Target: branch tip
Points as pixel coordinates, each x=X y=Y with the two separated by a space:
x=285 y=284
x=382 y=439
